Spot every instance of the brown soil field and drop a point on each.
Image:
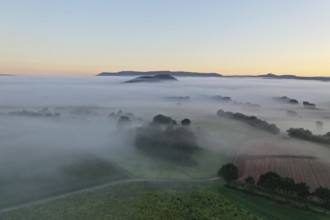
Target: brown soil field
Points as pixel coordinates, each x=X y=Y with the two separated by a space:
x=291 y=158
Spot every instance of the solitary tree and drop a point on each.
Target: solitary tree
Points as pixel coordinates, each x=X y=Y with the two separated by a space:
x=228 y=172
x=185 y=122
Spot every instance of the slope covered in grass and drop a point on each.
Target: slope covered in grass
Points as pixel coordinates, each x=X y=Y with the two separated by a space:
x=138 y=200
x=83 y=172
x=161 y=200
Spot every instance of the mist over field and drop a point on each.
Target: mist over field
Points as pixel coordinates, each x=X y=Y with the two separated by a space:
x=103 y=94
x=72 y=125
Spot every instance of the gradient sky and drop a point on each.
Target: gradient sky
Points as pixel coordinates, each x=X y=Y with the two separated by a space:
x=85 y=37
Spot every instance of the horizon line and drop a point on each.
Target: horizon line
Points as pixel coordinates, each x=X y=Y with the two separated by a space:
x=148 y=71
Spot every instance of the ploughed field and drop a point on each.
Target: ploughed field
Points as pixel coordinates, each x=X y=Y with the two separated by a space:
x=289 y=158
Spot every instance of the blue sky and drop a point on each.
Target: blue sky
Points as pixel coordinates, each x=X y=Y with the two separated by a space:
x=74 y=37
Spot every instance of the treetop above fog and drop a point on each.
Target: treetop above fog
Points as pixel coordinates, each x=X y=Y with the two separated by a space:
x=163 y=120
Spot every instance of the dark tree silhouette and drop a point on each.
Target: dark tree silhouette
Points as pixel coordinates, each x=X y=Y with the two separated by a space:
x=250 y=120
x=163 y=120
x=323 y=194
x=228 y=172
x=270 y=181
x=123 y=122
x=300 y=133
x=168 y=141
x=306 y=134
x=250 y=182
x=287 y=185
x=185 y=122
x=302 y=190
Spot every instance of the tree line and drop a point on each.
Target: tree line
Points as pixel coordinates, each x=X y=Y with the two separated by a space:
x=275 y=184
x=306 y=134
x=250 y=120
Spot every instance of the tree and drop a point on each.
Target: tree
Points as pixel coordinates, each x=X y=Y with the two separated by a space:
x=302 y=190
x=124 y=122
x=287 y=185
x=250 y=182
x=308 y=135
x=270 y=181
x=185 y=122
x=228 y=172
x=323 y=194
x=250 y=120
x=300 y=133
x=163 y=120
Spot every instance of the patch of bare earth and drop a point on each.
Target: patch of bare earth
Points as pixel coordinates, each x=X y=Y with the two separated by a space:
x=287 y=158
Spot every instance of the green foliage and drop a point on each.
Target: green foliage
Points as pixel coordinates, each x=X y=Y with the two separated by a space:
x=138 y=201
x=287 y=185
x=302 y=190
x=250 y=120
x=267 y=208
x=323 y=194
x=250 y=182
x=200 y=203
x=154 y=200
x=229 y=172
x=270 y=181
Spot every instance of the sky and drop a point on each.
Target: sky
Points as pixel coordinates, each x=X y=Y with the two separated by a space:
x=231 y=37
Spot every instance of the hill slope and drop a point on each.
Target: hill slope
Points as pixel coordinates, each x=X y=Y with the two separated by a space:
x=197 y=74
x=156 y=78
x=152 y=73
x=161 y=200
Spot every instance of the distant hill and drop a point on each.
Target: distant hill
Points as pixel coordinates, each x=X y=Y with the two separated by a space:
x=153 y=73
x=156 y=78
x=273 y=76
x=197 y=74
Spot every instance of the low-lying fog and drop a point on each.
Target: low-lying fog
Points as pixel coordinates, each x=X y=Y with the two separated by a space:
x=101 y=95
x=46 y=121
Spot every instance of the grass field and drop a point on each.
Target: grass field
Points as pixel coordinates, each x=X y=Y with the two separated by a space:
x=265 y=208
x=161 y=200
